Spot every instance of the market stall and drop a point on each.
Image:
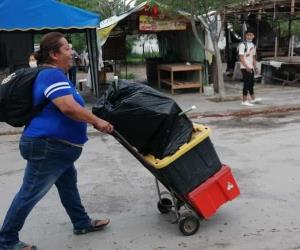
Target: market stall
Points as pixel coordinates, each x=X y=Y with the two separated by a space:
x=21 y=19
x=177 y=44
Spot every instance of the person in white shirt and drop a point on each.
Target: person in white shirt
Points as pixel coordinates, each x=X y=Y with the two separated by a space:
x=32 y=61
x=247 y=55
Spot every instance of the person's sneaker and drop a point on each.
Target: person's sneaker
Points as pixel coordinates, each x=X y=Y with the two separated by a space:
x=256 y=100
x=246 y=103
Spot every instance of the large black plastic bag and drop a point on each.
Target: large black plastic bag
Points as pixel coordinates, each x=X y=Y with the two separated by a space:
x=145 y=117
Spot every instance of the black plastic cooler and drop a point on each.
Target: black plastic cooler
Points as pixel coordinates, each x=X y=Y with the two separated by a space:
x=191 y=165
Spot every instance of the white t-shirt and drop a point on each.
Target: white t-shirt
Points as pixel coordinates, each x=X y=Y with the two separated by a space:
x=249 y=54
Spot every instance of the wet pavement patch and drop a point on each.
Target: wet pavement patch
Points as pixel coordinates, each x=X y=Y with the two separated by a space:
x=250 y=112
x=273 y=120
x=225 y=99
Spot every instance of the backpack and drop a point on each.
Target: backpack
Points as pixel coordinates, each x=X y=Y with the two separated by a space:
x=16 y=97
x=237 y=49
x=246 y=47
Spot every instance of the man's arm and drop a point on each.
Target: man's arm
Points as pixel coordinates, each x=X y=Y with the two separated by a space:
x=254 y=60
x=254 y=64
x=243 y=62
x=67 y=105
x=242 y=57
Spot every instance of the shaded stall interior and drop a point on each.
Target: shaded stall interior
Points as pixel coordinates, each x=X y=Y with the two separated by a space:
x=17 y=36
x=274 y=24
x=175 y=45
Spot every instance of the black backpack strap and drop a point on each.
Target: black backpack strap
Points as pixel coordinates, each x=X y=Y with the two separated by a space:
x=38 y=108
x=246 y=47
x=245 y=44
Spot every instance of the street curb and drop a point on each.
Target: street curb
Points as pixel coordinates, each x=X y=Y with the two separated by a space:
x=194 y=115
x=248 y=112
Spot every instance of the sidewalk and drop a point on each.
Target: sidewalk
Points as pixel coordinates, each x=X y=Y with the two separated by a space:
x=276 y=98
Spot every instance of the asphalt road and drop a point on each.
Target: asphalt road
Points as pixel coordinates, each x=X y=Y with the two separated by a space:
x=263 y=153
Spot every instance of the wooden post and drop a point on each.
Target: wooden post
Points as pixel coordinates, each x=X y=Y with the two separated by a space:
x=158 y=77
x=257 y=29
x=172 y=82
x=276 y=33
x=200 y=79
x=228 y=46
x=291 y=36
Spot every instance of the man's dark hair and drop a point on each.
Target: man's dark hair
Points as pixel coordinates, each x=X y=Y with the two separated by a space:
x=50 y=42
x=249 y=31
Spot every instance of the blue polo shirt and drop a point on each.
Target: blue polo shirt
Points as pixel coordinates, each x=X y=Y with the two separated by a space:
x=51 y=122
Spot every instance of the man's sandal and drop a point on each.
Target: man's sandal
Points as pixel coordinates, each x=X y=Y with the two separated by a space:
x=21 y=246
x=96 y=225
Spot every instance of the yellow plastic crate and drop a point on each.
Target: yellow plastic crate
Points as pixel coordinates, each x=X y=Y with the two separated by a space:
x=199 y=134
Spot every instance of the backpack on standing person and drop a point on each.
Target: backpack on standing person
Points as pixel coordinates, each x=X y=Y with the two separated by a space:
x=16 y=97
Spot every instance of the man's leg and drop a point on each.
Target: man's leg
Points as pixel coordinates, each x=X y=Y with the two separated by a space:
x=251 y=85
x=36 y=183
x=246 y=84
x=43 y=169
x=70 y=198
x=251 y=91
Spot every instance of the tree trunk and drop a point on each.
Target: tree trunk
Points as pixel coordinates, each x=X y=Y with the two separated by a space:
x=216 y=53
x=219 y=67
x=214 y=75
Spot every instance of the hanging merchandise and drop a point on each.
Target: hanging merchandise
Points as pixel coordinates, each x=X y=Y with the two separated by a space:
x=155 y=10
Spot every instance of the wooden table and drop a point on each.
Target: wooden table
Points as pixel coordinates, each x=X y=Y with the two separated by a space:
x=285 y=59
x=289 y=69
x=180 y=84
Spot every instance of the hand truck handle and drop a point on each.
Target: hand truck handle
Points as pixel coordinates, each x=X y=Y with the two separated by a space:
x=129 y=147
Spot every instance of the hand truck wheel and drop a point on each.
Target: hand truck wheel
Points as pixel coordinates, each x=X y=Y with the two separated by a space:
x=164 y=205
x=189 y=225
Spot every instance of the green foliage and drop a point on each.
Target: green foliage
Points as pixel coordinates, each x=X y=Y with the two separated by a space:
x=129 y=43
x=78 y=41
x=109 y=8
x=152 y=54
x=105 y=8
x=129 y=76
x=134 y=58
x=37 y=38
x=196 y=7
x=284 y=28
x=91 y=5
x=137 y=2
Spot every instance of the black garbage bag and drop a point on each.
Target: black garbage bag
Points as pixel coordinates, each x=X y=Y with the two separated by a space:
x=147 y=119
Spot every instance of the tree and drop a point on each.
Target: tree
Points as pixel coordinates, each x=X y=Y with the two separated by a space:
x=105 y=8
x=210 y=14
x=91 y=5
x=110 y=8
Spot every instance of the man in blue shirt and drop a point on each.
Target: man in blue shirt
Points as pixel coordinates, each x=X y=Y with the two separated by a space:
x=51 y=143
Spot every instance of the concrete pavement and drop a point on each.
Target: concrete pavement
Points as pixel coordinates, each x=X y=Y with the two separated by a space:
x=263 y=153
